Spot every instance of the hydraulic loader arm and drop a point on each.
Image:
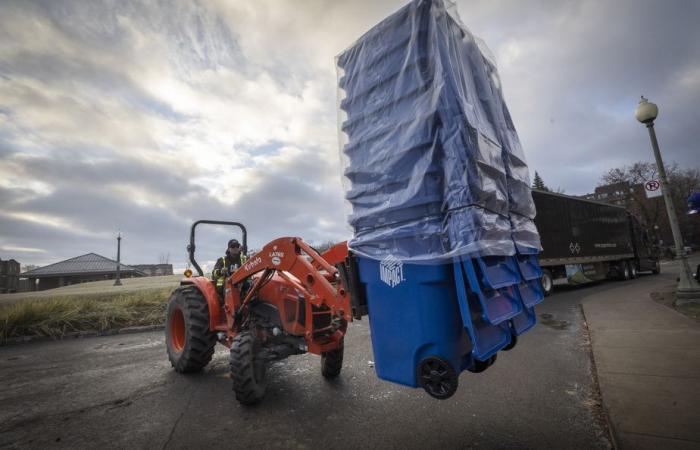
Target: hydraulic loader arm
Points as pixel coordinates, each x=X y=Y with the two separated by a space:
x=316 y=279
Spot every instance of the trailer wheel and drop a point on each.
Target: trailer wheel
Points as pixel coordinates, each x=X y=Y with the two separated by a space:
x=657 y=268
x=247 y=369
x=547 y=283
x=633 y=269
x=189 y=342
x=624 y=269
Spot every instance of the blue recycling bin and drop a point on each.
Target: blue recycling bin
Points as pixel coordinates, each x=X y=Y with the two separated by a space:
x=413 y=315
x=429 y=322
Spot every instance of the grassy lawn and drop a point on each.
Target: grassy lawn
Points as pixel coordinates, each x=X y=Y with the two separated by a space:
x=87 y=307
x=667 y=297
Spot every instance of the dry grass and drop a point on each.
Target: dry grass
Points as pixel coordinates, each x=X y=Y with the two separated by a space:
x=58 y=315
x=98 y=288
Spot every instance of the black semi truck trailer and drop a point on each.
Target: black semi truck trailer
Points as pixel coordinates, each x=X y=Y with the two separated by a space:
x=585 y=241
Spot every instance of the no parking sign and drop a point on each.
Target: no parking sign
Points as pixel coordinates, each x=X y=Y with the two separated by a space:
x=652 y=188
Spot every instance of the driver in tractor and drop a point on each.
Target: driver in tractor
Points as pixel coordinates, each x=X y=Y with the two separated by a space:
x=228 y=264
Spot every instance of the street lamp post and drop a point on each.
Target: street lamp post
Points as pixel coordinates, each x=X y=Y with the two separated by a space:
x=688 y=289
x=657 y=236
x=118 y=281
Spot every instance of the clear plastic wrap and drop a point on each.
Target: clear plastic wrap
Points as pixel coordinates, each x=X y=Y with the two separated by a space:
x=432 y=164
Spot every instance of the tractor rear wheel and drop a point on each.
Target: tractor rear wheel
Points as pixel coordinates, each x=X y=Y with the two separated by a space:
x=189 y=342
x=247 y=369
x=332 y=362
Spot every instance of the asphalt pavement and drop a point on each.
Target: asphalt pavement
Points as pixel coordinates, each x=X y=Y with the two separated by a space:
x=120 y=392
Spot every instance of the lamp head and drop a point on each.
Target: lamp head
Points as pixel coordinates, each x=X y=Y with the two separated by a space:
x=646 y=111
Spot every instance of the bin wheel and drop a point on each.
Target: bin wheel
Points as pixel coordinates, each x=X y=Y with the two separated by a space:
x=479 y=366
x=513 y=343
x=437 y=377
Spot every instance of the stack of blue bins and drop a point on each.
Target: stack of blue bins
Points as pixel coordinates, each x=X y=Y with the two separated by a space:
x=442 y=213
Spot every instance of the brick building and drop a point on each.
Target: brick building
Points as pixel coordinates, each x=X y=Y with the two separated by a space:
x=9 y=276
x=650 y=211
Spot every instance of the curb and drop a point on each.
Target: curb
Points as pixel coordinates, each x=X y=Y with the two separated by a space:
x=594 y=371
x=81 y=334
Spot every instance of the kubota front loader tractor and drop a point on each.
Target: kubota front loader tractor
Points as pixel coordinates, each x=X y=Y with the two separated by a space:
x=285 y=300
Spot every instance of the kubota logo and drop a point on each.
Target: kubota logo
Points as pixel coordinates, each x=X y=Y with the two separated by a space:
x=276 y=256
x=391 y=271
x=251 y=264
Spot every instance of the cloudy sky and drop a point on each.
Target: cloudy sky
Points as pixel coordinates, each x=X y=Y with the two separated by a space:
x=145 y=116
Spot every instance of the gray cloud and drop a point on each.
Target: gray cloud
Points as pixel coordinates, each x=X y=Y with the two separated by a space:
x=145 y=116
x=573 y=73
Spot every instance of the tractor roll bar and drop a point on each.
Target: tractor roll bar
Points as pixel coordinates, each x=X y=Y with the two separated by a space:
x=191 y=247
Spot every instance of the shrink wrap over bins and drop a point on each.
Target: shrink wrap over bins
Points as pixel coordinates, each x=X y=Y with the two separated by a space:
x=441 y=204
x=419 y=94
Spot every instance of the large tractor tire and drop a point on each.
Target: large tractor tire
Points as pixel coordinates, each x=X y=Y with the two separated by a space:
x=247 y=369
x=188 y=339
x=332 y=362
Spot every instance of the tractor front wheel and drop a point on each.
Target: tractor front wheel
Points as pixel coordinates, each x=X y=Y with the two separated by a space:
x=189 y=342
x=247 y=369
x=332 y=362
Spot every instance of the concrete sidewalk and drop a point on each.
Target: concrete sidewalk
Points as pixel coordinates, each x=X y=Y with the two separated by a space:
x=648 y=363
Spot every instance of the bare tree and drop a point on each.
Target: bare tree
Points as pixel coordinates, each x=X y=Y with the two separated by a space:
x=682 y=182
x=164 y=258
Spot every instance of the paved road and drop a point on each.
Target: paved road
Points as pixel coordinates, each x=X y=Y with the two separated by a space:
x=119 y=392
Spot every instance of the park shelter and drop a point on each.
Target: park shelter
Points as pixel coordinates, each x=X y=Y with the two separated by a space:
x=81 y=269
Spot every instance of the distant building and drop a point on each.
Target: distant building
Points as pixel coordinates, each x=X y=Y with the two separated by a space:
x=9 y=276
x=651 y=211
x=154 y=270
x=81 y=269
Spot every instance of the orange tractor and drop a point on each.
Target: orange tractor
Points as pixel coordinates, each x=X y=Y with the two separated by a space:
x=286 y=299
